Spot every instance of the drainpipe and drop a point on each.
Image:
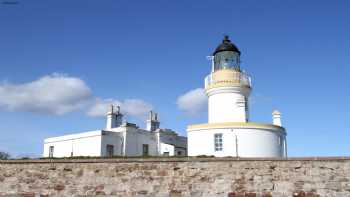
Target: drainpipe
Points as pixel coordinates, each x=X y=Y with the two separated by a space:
x=236 y=142
x=158 y=143
x=124 y=142
x=285 y=147
x=236 y=145
x=72 y=150
x=121 y=146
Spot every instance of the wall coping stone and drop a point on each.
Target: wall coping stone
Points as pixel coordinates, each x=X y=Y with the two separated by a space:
x=167 y=159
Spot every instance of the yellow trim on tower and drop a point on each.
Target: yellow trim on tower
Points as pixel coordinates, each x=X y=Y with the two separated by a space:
x=233 y=124
x=225 y=84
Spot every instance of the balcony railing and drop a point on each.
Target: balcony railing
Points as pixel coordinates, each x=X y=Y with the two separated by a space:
x=232 y=78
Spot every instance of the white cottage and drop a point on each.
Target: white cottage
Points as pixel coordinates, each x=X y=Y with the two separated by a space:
x=119 y=139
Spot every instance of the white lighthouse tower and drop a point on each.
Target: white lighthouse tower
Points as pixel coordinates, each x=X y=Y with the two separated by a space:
x=229 y=131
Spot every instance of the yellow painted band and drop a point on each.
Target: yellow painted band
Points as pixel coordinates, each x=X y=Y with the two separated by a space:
x=225 y=84
x=234 y=124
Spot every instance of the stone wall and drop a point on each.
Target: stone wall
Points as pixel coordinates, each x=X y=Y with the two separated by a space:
x=176 y=177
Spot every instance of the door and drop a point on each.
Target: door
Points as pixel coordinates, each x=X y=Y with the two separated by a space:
x=51 y=150
x=145 y=150
x=110 y=150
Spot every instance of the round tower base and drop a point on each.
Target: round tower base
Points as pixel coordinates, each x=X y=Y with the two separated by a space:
x=236 y=139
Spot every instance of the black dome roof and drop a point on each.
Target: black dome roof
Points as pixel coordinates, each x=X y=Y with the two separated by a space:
x=226 y=45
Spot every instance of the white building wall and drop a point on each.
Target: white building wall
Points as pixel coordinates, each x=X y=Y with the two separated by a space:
x=250 y=142
x=259 y=143
x=135 y=138
x=126 y=141
x=228 y=106
x=201 y=142
x=167 y=148
x=174 y=139
x=171 y=138
x=112 y=138
x=81 y=144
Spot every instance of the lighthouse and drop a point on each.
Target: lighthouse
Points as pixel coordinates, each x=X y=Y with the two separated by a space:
x=229 y=132
x=227 y=87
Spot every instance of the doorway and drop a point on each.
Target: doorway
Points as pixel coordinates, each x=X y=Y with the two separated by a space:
x=109 y=150
x=145 y=150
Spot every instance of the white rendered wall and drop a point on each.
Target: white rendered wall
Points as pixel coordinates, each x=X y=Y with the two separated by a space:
x=95 y=143
x=82 y=144
x=250 y=142
x=227 y=105
x=135 y=138
x=167 y=148
x=179 y=143
x=115 y=139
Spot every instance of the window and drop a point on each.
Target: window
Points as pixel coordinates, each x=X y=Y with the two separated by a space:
x=166 y=154
x=51 y=150
x=109 y=150
x=226 y=59
x=218 y=141
x=144 y=149
x=179 y=153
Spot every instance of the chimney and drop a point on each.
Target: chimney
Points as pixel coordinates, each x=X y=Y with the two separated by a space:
x=276 y=118
x=118 y=117
x=152 y=122
x=114 y=117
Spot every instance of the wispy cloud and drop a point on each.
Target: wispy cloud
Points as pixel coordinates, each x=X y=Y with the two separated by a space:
x=193 y=102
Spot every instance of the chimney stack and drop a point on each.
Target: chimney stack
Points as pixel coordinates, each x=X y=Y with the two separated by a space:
x=276 y=118
x=114 y=117
x=152 y=122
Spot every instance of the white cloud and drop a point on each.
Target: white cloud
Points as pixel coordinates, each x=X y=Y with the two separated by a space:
x=52 y=94
x=130 y=107
x=58 y=94
x=193 y=102
x=136 y=107
x=100 y=107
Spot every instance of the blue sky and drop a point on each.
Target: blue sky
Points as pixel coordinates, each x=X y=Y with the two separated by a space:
x=153 y=52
